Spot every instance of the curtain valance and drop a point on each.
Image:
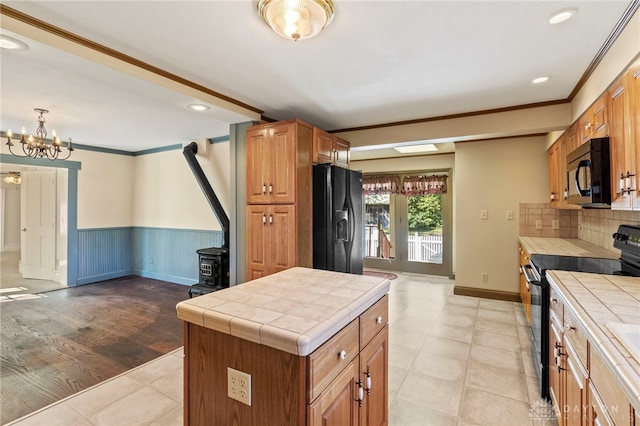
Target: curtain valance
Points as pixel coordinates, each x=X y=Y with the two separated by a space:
x=424 y=185
x=381 y=184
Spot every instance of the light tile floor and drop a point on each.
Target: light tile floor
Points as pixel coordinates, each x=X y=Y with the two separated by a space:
x=453 y=360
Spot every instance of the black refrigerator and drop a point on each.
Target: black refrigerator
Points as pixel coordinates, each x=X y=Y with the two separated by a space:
x=337 y=219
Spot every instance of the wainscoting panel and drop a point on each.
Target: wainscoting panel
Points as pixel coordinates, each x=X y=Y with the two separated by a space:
x=103 y=254
x=163 y=254
x=170 y=254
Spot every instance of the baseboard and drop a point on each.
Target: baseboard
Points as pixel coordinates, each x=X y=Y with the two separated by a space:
x=486 y=294
x=11 y=247
x=103 y=277
x=165 y=277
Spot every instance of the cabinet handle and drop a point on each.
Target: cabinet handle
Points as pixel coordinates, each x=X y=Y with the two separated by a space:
x=588 y=126
x=368 y=383
x=264 y=188
x=264 y=219
x=342 y=354
x=270 y=188
x=379 y=320
x=569 y=327
x=553 y=300
x=552 y=197
x=360 y=393
x=271 y=219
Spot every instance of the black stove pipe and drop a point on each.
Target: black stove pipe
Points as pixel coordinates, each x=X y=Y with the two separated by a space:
x=189 y=153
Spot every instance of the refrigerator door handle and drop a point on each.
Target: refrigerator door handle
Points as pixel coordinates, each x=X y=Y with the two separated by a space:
x=342 y=225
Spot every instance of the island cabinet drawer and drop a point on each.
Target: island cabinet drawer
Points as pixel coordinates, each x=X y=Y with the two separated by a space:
x=577 y=338
x=326 y=362
x=608 y=391
x=373 y=320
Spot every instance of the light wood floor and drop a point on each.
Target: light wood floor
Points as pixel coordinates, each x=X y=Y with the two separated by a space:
x=71 y=339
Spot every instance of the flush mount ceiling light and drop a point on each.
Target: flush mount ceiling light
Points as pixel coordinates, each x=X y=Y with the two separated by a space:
x=413 y=149
x=11 y=43
x=296 y=19
x=12 y=177
x=198 y=107
x=562 y=16
x=540 y=80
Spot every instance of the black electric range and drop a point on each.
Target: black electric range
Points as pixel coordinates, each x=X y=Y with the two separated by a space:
x=627 y=240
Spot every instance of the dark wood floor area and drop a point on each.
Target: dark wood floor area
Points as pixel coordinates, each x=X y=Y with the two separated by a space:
x=74 y=338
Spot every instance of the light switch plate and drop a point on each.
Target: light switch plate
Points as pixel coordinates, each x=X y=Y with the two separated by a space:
x=484 y=214
x=239 y=386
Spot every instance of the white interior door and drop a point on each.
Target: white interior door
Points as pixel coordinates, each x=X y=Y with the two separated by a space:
x=38 y=224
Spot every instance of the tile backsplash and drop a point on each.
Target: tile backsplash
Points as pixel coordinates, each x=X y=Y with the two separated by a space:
x=593 y=225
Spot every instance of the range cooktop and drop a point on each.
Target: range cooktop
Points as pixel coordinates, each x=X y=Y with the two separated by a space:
x=593 y=265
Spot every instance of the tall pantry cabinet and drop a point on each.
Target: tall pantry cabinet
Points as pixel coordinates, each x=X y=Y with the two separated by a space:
x=279 y=228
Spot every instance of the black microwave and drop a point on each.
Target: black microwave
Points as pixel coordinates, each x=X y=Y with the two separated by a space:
x=589 y=174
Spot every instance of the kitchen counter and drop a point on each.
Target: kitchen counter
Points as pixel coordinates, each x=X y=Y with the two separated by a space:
x=294 y=311
x=608 y=309
x=565 y=247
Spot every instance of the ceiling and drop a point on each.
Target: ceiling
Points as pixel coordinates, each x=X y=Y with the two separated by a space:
x=378 y=62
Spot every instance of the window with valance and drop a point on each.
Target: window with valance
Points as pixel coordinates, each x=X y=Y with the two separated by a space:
x=424 y=185
x=381 y=184
x=411 y=185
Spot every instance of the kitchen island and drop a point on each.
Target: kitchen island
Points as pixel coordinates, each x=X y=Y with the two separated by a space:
x=301 y=346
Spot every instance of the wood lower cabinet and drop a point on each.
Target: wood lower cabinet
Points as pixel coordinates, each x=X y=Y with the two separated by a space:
x=344 y=382
x=272 y=239
x=525 y=290
x=583 y=390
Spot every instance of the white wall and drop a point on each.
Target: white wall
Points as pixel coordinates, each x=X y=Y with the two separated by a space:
x=11 y=216
x=166 y=194
x=495 y=176
x=105 y=189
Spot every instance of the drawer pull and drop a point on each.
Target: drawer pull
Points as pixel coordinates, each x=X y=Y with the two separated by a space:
x=368 y=383
x=569 y=327
x=360 y=393
x=379 y=320
x=553 y=300
x=264 y=188
x=342 y=354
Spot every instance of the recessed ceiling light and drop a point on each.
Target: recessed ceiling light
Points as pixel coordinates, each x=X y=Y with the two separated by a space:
x=563 y=15
x=11 y=43
x=198 y=107
x=540 y=80
x=412 y=149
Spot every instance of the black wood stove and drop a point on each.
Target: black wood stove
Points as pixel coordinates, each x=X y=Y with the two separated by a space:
x=213 y=272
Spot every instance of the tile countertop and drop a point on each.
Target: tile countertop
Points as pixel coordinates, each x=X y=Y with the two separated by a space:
x=566 y=247
x=598 y=300
x=295 y=310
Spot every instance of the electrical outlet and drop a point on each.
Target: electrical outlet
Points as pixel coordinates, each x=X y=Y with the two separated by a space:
x=485 y=277
x=509 y=215
x=484 y=214
x=555 y=224
x=151 y=260
x=538 y=224
x=239 y=386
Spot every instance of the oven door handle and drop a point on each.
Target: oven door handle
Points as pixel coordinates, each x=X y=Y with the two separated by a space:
x=529 y=276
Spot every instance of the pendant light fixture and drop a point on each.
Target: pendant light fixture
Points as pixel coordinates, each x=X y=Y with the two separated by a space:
x=296 y=19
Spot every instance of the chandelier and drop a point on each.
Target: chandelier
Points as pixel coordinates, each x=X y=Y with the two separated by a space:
x=296 y=19
x=38 y=147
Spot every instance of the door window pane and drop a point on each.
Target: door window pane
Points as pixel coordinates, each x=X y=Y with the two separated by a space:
x=424 y=220
x=378 y=225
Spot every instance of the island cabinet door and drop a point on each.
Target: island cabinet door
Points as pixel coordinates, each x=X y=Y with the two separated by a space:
x=374 y=375
x=338 y=404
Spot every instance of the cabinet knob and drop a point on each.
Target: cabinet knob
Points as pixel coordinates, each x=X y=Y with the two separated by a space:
x=342 y=354
x=379 y=320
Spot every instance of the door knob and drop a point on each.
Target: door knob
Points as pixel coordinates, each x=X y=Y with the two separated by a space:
x=24 y=229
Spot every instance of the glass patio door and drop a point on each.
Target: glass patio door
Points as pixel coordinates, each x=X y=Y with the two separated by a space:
x=408 y=233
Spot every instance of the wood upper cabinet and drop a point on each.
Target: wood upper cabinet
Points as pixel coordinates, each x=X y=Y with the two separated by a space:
x=553 y=155
x=328 y=148
x=623 y=143
x=594 y=122
x=272 y=154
